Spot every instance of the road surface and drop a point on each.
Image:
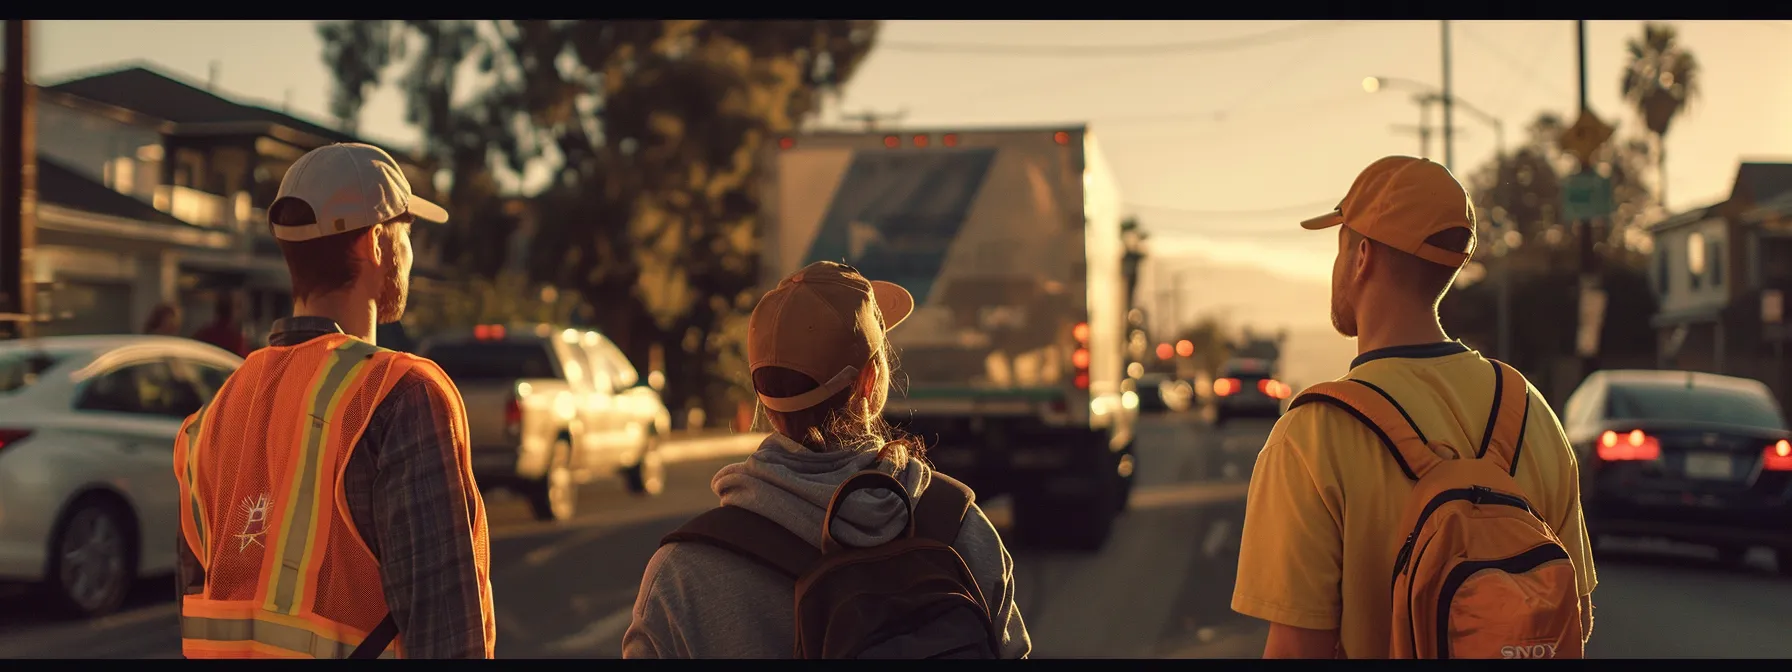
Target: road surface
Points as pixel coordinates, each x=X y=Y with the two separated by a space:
x=1160 y=589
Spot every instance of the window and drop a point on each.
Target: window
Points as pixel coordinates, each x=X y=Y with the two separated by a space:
x=1663 y=272
x=1714 y=260
x=493 y=361
x=1695 y=258
x=626 y=376
x=583 y=369
x=150 y=388
x=18 y=370
x=1689 y=403
x=205 y=378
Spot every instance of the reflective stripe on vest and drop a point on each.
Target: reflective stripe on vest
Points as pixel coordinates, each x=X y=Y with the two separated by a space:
x=298 y=527
x=194 y=429
x=277 y=635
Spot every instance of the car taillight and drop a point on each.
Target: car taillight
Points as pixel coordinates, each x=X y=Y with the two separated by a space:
x=1634 y=446
x=1778 y=456
x=489 y=332
x=11 y=436
x=1225 y=387
x=1080 y=357
x=1273 y=388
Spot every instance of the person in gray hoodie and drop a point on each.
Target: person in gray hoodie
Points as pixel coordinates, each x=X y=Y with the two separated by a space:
x=826 y=322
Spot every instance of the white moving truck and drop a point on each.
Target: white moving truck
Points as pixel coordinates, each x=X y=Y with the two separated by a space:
x=1012 y=368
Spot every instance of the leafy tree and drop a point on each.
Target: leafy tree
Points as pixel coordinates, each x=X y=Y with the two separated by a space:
x=1517 y=197
x=1661 y=78
x=648 y=134
x=1213 y=343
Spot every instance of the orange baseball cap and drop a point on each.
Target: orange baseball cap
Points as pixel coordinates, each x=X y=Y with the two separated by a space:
x=1399 y=201
x=824 y=321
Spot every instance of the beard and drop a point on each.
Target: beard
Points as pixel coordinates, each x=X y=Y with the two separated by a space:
x=1343 y=315
x=394 y=291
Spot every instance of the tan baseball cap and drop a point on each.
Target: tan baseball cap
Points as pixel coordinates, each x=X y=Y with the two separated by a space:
x=349 y=186
x=1400 y=201
x=824 y=321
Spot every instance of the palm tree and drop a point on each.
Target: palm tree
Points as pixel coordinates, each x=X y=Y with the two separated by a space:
x=1660 y=81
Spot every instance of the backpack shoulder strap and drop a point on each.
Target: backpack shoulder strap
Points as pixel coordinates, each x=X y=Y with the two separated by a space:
x=1504 y=438
x=940 y=513
x=1374 y=407
x=751 y=535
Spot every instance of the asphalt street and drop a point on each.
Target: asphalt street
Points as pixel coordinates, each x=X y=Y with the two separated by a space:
x=1160 y=589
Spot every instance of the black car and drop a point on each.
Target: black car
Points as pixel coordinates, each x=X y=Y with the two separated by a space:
x=1686 y=456
x=1247 y=388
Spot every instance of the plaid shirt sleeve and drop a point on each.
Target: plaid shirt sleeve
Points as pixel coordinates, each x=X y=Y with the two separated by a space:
x=425 y=508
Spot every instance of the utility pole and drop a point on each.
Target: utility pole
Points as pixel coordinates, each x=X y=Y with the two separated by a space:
x=871 y=120
x=18 y=183
x=1423 y=129
x=1448 y=98
x=1589 y=262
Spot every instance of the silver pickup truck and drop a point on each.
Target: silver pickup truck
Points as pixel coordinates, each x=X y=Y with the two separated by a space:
x=551 y=409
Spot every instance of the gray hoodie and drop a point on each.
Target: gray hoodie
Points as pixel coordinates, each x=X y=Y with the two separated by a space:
x=702 y=602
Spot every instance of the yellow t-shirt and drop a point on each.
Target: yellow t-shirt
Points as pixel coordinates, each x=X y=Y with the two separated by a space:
x=1325 y=500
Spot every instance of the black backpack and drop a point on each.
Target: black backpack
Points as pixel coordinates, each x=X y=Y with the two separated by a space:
x=911 y=598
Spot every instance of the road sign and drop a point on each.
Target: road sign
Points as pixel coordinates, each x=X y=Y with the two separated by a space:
x=1586 y=195
x=1585 y=136
x=1772 y=306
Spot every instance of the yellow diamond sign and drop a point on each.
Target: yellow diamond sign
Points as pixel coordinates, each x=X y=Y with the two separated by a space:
x=1585 y=137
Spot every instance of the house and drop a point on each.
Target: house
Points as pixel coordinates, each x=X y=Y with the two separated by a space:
x=202 y=167
x=1711 y=267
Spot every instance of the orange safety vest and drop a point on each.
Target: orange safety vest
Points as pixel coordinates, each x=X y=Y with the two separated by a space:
x=287 y=575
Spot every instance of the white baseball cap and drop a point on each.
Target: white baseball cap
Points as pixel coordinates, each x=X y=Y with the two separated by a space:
x=349 y=186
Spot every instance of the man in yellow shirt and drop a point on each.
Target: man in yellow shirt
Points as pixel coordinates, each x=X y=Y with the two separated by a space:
x=1326 y=497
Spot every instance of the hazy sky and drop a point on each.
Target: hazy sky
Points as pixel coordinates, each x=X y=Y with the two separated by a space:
x=1219 y=151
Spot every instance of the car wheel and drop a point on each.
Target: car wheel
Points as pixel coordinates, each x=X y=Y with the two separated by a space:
x=92 y=564
x=556 y=496
x=648 y=476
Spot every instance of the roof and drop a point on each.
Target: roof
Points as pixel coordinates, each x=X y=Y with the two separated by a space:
x=1693 y=216
x=64 y=186
x=1670 y=377
x=1757 y=182
x=146 y=91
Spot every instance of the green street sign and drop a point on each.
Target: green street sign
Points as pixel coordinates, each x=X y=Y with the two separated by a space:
x=1586 y=196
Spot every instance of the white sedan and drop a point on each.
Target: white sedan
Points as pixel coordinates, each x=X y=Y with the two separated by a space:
x=88 y=500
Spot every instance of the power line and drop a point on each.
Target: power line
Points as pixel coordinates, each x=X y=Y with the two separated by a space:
x=1506 y=59
x=1310 y=208
x=1088 y=50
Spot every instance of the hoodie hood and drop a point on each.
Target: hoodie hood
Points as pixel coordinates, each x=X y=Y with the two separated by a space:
x=791 y=485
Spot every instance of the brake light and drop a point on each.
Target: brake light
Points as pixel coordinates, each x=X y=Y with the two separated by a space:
x=1061 y=138
x=920 y=141
x=1778 y=457
x=1274 y=388
x=1186 y=348
x=1225 y=387
x=1634 y=446
x=786 y=143
x=11 y=436
x=892 y=141
x=951 y=140
x=1165 y=351
x=1080 y=358
x=489 y=332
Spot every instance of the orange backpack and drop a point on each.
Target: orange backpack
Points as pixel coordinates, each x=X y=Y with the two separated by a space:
x=1480 y=575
